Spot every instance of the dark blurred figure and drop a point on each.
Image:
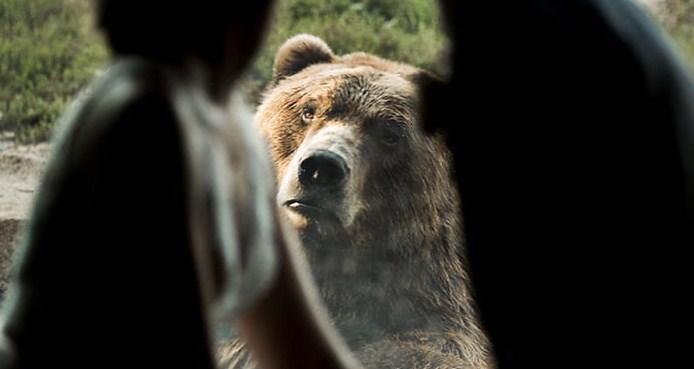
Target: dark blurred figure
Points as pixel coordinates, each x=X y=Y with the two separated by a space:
x=572 y=125
x=156 y=214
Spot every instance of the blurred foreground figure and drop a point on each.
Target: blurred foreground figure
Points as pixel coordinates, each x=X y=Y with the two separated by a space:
x=572 y=126
x=156 y=215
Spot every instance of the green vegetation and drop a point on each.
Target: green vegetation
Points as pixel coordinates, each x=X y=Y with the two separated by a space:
x=49 y=49
x=403 y=30
x=47 y=54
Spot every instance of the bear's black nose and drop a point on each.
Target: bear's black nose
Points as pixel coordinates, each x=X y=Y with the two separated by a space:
x=323 y=169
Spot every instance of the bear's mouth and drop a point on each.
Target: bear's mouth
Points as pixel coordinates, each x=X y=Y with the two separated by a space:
x=309 y=209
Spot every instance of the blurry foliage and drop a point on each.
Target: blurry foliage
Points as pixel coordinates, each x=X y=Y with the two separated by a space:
x=49 y=49
x=402 y=30
x=47 y=54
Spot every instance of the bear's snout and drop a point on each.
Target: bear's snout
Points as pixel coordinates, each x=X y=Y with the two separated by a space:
x=323 y=169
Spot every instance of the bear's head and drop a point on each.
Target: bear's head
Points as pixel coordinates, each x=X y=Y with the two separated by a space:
x=370 y=194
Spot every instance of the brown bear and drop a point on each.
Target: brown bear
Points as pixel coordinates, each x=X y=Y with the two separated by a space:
x=373 y=201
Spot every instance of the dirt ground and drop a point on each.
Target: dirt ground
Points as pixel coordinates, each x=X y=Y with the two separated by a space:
x=651 y=4
x=20 y=170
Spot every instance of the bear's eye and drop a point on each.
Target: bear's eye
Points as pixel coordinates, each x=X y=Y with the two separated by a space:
x=392 y=136
x=308 y=114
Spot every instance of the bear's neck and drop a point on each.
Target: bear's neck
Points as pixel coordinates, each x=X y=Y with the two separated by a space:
x=378 y=286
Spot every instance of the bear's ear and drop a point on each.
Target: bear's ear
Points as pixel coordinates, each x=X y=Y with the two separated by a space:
x=425 y=79
x=433 y=92
x=298 y=53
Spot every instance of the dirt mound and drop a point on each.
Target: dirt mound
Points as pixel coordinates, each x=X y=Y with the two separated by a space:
x=20 y=170
x=9 y=233
x=652 y=5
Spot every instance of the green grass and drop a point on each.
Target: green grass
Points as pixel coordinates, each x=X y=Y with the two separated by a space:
x=47 y=54
x=49 y=50
x=403 y=30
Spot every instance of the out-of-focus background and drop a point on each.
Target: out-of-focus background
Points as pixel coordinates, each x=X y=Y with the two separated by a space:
x=50 y=50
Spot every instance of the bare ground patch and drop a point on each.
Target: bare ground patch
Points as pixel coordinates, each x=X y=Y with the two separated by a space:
x=20 y=170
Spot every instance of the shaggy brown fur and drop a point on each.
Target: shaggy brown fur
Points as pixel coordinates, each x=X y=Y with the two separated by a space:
x=388 y=256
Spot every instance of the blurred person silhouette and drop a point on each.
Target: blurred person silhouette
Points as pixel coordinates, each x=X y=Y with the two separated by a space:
x=572 y=127
x=156 y=217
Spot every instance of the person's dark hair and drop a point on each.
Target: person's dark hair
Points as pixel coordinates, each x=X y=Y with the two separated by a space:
x=171 y=30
